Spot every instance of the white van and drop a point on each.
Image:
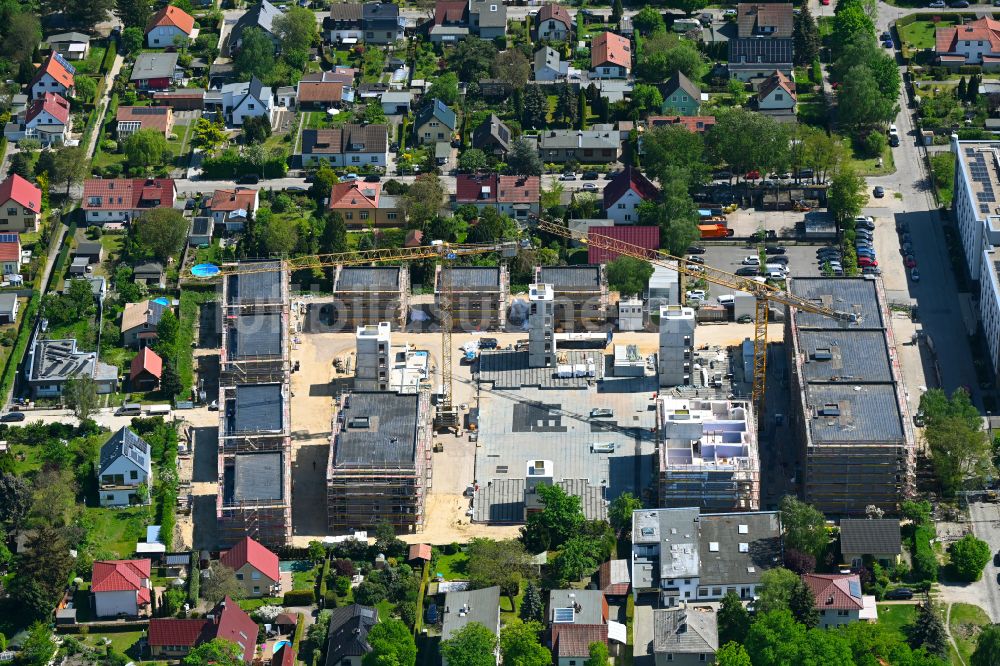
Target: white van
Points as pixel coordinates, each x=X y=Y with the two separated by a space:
x=158 y=410
x=602 y=447
x=726 y=299
x=129 y=409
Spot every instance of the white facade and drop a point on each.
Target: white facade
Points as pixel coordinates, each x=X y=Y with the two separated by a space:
x=608 y=71
x=162 y=36
x=47 y=84
x=553 y=29
x=626 y=209
x=119 y=482
x=111 y=604
x=778 y=99
x=677 y=324
x=46 y=128
x=102 y=216
x=835 y=617
x=541 y=338
x=630 y=316
x=238 y=104
x=989 y=304
x=374 y=351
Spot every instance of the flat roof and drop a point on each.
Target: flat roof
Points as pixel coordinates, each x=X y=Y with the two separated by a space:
x=854 y=413
x=257 y=477
x=368 y=278
x=258 y=287
x=832 y=356
x=979 y=161
x=462 y=607
x=378 y=429
x=474 y=277
x=855 y=295
x=509 y=369
x=560 y=277
x=255 y=408
x=738 y=547
x=256 y=335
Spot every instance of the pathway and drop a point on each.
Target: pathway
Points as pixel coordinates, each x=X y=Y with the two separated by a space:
x=109 y=80
x=951 y=639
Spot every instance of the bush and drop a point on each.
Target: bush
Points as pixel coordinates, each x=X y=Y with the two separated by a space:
x=344 y=567
x=194 y=580
x=342 y=585
x=968 y=556
x=875 y=143
x=407 y=614
x=299 y=598
x=925 y=564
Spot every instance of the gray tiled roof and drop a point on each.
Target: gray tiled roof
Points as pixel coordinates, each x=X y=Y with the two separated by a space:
x=685 y=631
x=154 y=65
x=590 y=604
x=348 y=634
x=466 y=607
x=388 y=438
x=474 y=277
x=127 y=443
x=870 y=536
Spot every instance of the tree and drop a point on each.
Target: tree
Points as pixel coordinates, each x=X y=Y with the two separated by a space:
x=847 y=194
x=473 y=58
x=799 y=562
x=663 y=54
x=216 y=652
x=280 y=236
x=535 y=108
x=687 y=6
x=334 y=236
x=445 y=88
x=38 y=647
x=49 y=564
x=622 y=507
x=803 y=605
x=373 y=114
x=21 y=37
x=820 y=152
x=170 y=381
x=85 y=88
x=132 y=40
x=748 y=141
x=648 y=21
x=577 y=558
x=566 y=106
x=969 y=555
x=80 y=394
x=296 y=28
x=532 y=607
x=256 y=55
x=210 y=135
x=519 y=644
x=959 y=452
x=987 y=651
x=807 y=40
x=598 y=655
x=423 y=200
x=493 y=226
x=560 y=518
x=678 y=214
x=166 y=330
x=503 y=563
x=860 y=101
x=776 y=638
x=805 y=527
x=472 y=160
x=472 y=645
x=161 y=232
x=628 y=275
x=512 y=67
x=670 y=147
x=617 y=11
x=928 y=631
x=146 y=148
x=256 y=129
x=70 y=165
x=15 y=500
x=391 y=645
x=134 y=13
x=220 y=583
x=775 y=590
x=733 y=619
x=20 y=163
x=732 y=654
x=646 y=99
x=523 y=160
x=850 y=22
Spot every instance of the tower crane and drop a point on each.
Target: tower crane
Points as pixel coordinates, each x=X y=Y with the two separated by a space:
x=762 y=292
x=446 y=415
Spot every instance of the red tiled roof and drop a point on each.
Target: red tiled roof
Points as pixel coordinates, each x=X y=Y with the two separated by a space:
x=120 y=576
x=174 y=16
x=469 y=188
x=625 y=180
x=609 y=48
x=225 y=201
x=449 y=11
x=53 y=104
x=573 y=640
x=834 y=591
x=553 y=10
x=126 y=193
x=691 y=123
x=420 y=551
x=519 y=189
x=148 y=117
x=248 y=551
x=146 y=360
x=11 y=251
x=414 y=237
x=55 y=69
x=284 y=657
x=176 y=631
x=981 y=30
x=608 y=585
x=316 y=91
x=15 y=188
x=355 y=194
x=775 y=81
x=233 y=624
x=644 y=237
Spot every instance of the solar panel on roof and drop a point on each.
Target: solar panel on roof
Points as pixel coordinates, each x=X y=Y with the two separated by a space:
x=65 y=63
x=149 y=110
x=855 y=588
x=564 y=615
x=8 y=238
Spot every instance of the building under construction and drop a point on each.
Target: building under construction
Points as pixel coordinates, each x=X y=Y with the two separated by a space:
x=848 y=400
x=379 y=468
x=707 y=454
x=369 y=294
x=479 y=296
x=581 y=295
x=254 y=325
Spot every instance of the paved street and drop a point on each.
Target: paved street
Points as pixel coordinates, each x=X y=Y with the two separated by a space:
x=986 y=592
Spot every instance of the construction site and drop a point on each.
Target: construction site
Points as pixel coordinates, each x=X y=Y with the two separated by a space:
x=581 y=296
x=370 y=294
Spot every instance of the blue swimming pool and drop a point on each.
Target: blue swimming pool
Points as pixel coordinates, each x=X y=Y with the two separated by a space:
x=204 y=270
x=162 y=301
x=295 y=565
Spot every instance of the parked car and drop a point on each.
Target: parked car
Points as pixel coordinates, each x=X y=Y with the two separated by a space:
x=960 y=4
x=894 y=139
x=871 y=270
x=751 y=260
x=695 y=294
x=885 y=35
x=11 y=417
x=937 y=4
x=753 y=175
x=695 y=259
x=696 y=249
x=488 y=343
x=372 y=178
x=900 y=593
x=568 y=176
x=780 y=259
x=910 y=262
x=774 y=249
x=866 y=261
x=879 y=191
x=747 y=271
x=589 y=187
x=248 y=179
x=590 y=175
x=865 y=252
x=915 y=275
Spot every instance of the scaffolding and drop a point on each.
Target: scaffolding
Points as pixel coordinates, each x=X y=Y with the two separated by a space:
x=476 y=305
x=579 y=306
x=247 y=354
x=359 y=302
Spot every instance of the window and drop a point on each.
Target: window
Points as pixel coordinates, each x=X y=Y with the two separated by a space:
x=842 y=613
x=133 y=475
x=256 y=589
x=621 y=205
x=364 y=215
x=779 y=97
x=239 y=575
x=255 y=575
x=670 y=656
x=250 y=106
x=348 y=215
x=390 y=216
x=355 y=158
x=12 y=211
x=701 y=657
x=374 y=158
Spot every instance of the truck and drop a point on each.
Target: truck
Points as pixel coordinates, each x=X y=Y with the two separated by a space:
x=715 y=231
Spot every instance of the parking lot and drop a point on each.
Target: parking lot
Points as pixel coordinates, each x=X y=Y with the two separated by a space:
x=801 y=258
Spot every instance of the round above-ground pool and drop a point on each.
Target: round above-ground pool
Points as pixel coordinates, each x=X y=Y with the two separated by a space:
x=204 y=270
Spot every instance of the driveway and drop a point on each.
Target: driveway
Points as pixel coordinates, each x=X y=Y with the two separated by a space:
x=642 y=636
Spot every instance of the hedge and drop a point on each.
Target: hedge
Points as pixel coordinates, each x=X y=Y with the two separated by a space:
x=925 y=564
x=300 y=628
x=109 y=56
x=194 y=580
x=323 y=576
x=299 y=598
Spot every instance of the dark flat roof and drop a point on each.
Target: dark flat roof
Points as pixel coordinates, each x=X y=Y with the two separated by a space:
x=832 y=356
x=864 y=413
x=856 y=295
x=475 y=277
x=391 y=435
x=258 y=476
x=720 y=549
x=262 y=287
x=588 y=277
x=256 y=335
x=368 y=278
x=255 y=408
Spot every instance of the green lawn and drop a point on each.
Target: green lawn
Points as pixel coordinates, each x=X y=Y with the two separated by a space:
x=118 y=530
x=112 y=244
x=27 y=459
x=253 y=604
x=121 y=641
x=304 y=580
x=966 y=622
x=190 y=307
x=920 y=34
x=507 y=612
x=868 y=166
x=452 y=567
x=942 y=172
x=92 y=63
x=896 y=617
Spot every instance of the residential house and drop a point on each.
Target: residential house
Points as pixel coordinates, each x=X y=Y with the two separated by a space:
x=20 y=204
x=514 y=196
x=434 y=122
x=201 y=231
x=769 y=20
x=776 y=96
x=131 y=119
x=286 y=96
x=259 y=16
x=344 y=25
x=182 y=99
x=571 y=642
x=123 y=199
x=610 y=56
x=681 y=96
x=396 y=103
x=347 y=638
x=256 y=568
x=877 y=539
x=8 y=307
x=149 y=273
x=120 y=587
x=139 y=322
x=382 y=23
x=764 y=41
x=348 y=145
x=585 y=146
x=839 y=599
x=625 y=192
x=613 y=90
x=51 y=363
x=46 y=119
x=363 y=204
x=232 y=207
x=549 y=65
x=488 y=18
x=553 y=23
x=284 y=655
x=464 y=607
x=167 y=25
x=577 y=618
x=173 y=638
x=247 y=99
x=683 y=555
x=975 y=42
x=699 y=124
x=10 y=255
x=124 y=466
x=319 y=94
x=55 y=75
x=146 y=370
x=154 y=70
x=70 y=45
x=492 y=137
x=613 y=578
x=92 y=251
x=451 y=21
x=684 y=636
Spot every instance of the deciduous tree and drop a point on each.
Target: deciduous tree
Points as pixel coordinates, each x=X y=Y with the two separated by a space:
x=472 y=645
x=445 y=88
x=146 y=148
x=392 y=645
x=519 y=644
x=80 y=393
x=627 y=275
x=256 y=55
x=648 y=21
x=296 y=28
x=221 y=583
x=775 y=590
x=161 y=232
x=134 y=13
x=733 y=619
x=674 y=147
x=560 y=518
x=622 y=507
x=847 y=194
x=805 y=527
x=473 y=58
x=664 y=53
x=15 y=500
x=969 y=555
x=503 y=563
x=513 y=68
x=472 y=160
x=776 y=638
x=39 y=647
x=216 y=652
x=423 y=200
x=987 y=651
x=748 y=141
x=598 y=655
